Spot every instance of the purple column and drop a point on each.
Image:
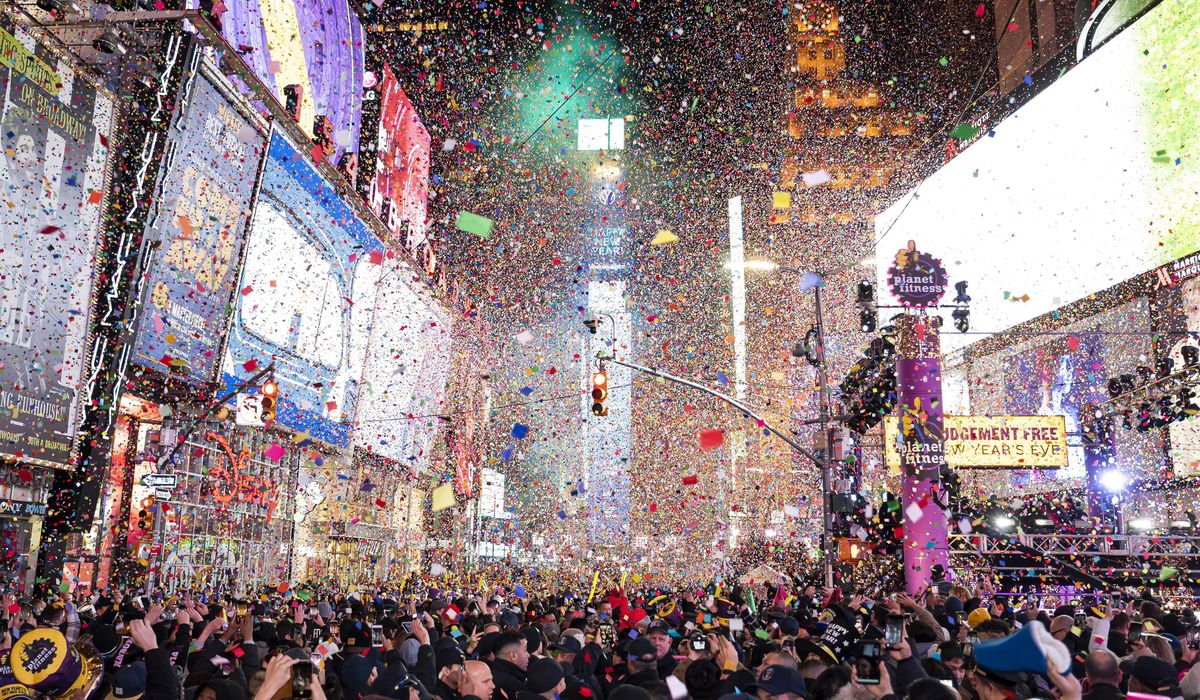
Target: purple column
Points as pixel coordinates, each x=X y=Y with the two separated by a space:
x=922 y=455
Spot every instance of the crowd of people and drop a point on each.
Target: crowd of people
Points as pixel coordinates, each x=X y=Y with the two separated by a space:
x=778 y=641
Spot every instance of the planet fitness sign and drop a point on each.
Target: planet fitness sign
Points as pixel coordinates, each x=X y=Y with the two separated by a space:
x=918 y=280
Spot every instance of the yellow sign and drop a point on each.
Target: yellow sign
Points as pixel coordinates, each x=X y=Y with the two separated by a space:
x=984 y=442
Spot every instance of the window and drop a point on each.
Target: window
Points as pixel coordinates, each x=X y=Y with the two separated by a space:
x=601 y=134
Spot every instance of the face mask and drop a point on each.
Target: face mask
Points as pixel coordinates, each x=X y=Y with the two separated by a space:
x=603 y=616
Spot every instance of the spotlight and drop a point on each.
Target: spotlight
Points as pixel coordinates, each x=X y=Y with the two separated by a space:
x=1113 y=481
x=961 y=288
x=110 y=43
x=1003 y=522
x=1141 y=524
x=1128 y=383
x=1144 y=373
x=868 y=312
x=1191 y=355
x=1114 y=388
x=1164 y=367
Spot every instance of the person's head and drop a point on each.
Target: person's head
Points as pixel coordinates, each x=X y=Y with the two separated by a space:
x=831 y=680
x=641 y=655
x=604 y=610
x=478 y=680
x=1160 y=647
x=1060 y=626
x=1102 y=666
x=812 y=667
x=777 y=683
x=702 y=678
x=1150 y=610
x=1120 y=623
x=930 y=689
x=779 y=658
x=491 y=627
x=511 y=647
x=1152 y=675
x=660 y=638
x=991 y=685
x=991 y=630
x=546 y=678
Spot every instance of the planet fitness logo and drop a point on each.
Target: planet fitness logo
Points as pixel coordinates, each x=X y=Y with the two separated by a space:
x=918 y=280
x=38 y=656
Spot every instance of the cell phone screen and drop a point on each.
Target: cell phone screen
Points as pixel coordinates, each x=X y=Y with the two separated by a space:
x=407 y=624
x=867 y=663
x=302 y=679
x=894 y=632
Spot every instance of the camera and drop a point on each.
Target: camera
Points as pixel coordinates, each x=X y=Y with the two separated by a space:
x=698 y=642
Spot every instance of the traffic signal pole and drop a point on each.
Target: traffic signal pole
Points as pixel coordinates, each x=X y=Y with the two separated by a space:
x=829 y=551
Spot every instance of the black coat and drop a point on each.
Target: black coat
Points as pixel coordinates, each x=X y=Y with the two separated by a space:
x=1104 y=691
x=509 y=679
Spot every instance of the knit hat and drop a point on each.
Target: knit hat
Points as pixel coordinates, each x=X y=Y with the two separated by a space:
x=977 y=617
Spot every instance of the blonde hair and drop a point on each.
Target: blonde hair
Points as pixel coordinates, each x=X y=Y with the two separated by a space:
x=1160 y=646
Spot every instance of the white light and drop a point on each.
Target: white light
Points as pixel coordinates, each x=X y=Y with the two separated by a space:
x=1181 y=524
x=1113 y=481
x=1141 y=524
x=1043 y=522
x=1003 y=522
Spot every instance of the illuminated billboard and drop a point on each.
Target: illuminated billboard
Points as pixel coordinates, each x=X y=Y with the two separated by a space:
x=399 y=192
x=1092 y=182
x=306 y=297
x=206 y=189
x=54 y=131
x=406 y=367
x=976 y=442
x=312 y=49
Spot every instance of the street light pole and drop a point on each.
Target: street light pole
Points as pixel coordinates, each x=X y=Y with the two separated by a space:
x=827 y=439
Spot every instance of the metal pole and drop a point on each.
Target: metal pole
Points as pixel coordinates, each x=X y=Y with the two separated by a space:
x=823 y=413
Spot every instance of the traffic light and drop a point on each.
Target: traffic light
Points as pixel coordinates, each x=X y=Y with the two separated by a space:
x=270 y=397
x=600 y=393
x=962 y=310
x=867 y=310
x=145 y=519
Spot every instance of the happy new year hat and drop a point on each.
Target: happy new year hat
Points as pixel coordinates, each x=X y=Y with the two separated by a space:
x=43 y=660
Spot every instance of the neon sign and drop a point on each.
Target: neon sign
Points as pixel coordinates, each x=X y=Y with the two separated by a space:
x=235 y=483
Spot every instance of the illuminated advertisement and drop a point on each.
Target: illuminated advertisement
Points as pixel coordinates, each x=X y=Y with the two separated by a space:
x=1090 y=183
x=407 y=362
x=206 y=190
x=305 y=297
x=311 y=48
x=974 y=442
x=54 y=129
x=399 y=192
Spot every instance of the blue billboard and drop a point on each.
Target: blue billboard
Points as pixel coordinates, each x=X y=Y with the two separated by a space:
x=306 y=297
x=200 y=217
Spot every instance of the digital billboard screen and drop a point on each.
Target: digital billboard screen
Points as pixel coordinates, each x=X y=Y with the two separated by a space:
x=1093 y=181
x=206 y=191
x=408 y=360
x=306 y=297
x=399 y=192
x=314 y=45
x=54 y=130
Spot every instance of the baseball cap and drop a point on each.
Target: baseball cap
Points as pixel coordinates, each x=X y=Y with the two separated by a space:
x=567 y=643
x=1154 y=673
x=789 y=626
x=641 y=649
x=129 y=682
x=777 y=679
x=659 y=626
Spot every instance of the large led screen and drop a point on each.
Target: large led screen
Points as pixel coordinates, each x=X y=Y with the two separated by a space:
x=408 y=360
x=306 y=297
x=313 y=47
x=1093 y=181
x=54 y=130
x=205 y=194
x=399 y=192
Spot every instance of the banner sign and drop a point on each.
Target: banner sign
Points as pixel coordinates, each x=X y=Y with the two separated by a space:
x=399 y=192
x=983 y=442
x=201 y=214
x=918 y=280
x=306 y=297
x=54 y=131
